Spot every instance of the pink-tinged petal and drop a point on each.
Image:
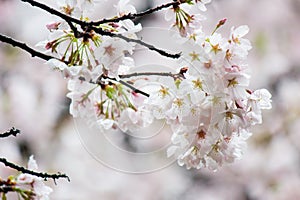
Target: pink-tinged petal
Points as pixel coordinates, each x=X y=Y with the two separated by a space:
x=25 y=179
x=41 y=191
x=53 y=26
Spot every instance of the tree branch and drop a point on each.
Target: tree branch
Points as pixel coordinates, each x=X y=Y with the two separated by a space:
x=38 y=174
x=99 y=82
x=23 y=46
x=13 y=131
x=86 y=25
x=134 y=89
x=133 y=16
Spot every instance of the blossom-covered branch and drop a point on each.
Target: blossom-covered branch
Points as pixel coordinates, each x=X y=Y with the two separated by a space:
x=135 y=15
x=13 y=131
x=89 y=26
x=38 y=174
x=29 y=184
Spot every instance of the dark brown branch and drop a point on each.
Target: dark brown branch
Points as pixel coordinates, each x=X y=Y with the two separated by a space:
x=13 y=131
x=149 y=46
x=38 y=174
x=134 y=16
x=180 y=74
x=23 y=46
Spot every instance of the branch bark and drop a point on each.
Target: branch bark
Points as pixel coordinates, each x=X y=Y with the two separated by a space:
x=38 y=174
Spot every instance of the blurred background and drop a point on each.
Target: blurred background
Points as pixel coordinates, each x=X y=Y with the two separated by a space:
x=32 y=98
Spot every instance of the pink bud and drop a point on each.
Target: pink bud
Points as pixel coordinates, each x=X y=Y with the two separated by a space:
x=222 y=21
x=53 y=26
x=48 y=45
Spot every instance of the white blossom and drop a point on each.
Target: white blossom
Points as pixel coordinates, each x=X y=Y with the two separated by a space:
x=41 y=191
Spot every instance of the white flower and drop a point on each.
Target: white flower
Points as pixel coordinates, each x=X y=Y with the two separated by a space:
x=133 y=120
x=191 y=158
x=111 y=54
x=128 y=28
x=56 y=64
x=216 y=43
x=41 y=191
x=123 y=7
x=237 y=84
x=67 y=71
x=80 y=95
x=106 y=124
x=236 y=37
x=263 y=97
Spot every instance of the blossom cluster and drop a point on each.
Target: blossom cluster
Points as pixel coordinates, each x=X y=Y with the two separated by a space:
x=209 y=107
x=212 y=110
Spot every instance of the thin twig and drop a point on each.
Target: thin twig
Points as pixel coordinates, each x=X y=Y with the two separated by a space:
x=136 y=15
x=137 y=41
x=13 y=131
x=38 y=174
x=150 y=74
x=180 y=74
x=134 y=89
x=23 y=46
